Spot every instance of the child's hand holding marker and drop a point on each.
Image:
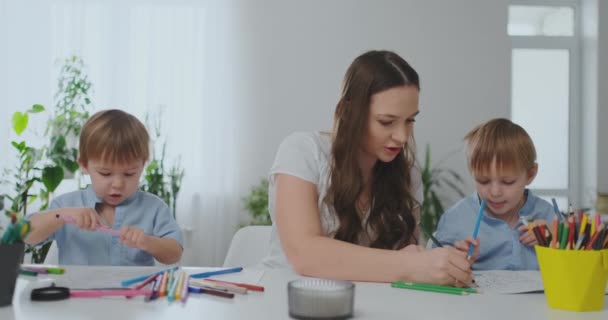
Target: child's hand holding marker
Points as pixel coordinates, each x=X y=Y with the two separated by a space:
x=87 y=219
x=83 y=218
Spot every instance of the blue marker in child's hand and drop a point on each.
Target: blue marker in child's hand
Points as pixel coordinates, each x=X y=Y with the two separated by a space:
x=476 y=230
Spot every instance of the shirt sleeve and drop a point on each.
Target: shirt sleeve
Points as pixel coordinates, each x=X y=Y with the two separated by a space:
x=448 y=228
x=165 y=226
x=298 y=156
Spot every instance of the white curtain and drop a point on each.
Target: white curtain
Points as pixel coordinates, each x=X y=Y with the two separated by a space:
x=170 y=59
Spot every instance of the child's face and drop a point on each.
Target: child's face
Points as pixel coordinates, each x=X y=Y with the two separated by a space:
x=390 y=124
x=503 y=190
x=114 y=183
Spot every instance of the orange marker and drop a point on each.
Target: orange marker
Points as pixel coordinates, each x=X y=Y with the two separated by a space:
x=163 y=285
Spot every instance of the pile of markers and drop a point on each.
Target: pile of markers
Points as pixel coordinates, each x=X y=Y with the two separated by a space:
x=176 y=285
x=572 y=231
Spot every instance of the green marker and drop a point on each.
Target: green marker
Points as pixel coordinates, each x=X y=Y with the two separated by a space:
x=28 y=272
x=55 y=270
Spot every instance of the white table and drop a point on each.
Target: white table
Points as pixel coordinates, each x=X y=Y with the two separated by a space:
x=372 y=301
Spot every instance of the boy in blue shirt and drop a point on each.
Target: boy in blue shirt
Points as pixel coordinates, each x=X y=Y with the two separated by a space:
x=113 y=151
x=502 y=159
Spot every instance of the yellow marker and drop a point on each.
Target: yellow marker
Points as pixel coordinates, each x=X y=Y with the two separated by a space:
x=592 y=227
x=180 y=284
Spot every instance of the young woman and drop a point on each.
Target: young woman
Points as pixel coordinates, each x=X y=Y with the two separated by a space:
x=345 y=204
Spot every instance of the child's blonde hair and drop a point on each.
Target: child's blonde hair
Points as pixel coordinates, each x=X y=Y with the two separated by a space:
x=503 y=141
x=114 y=136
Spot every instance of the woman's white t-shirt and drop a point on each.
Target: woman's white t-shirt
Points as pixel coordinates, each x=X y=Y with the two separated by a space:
x=307 y=155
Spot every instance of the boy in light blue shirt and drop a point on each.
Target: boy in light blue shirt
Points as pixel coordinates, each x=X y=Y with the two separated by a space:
x=113 y=151
x=502 y=160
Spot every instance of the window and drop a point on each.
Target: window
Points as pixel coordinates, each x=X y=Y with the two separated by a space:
x=544 y=95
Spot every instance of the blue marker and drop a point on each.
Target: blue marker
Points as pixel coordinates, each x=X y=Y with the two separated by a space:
x=215 y=273
x=129 y=282
x=476 y=230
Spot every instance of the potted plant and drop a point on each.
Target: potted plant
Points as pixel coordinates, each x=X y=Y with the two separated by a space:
x=42 y=169
x=256 y=204
x=437 y=182
x=34 y=177
x=72 y=105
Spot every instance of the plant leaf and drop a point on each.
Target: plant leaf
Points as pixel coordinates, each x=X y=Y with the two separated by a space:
x=36 y=108
x=20 y=121
x=51 y=177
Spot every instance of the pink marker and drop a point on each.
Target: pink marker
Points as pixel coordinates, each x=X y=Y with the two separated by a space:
x=100 y=227
x=108 y=293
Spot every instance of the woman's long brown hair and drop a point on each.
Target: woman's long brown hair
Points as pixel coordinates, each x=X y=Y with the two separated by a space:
x=390 y=218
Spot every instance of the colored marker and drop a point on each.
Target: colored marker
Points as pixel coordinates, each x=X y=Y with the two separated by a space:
x=211 y=292
x=131 y=281
x=215 y=273
x=55 y=270
x=108 y=293
x=185 y=288
x=244 y=285
x=99 y=227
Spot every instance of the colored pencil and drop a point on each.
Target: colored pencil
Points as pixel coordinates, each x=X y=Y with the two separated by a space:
x=438 y=289
x=476 y=230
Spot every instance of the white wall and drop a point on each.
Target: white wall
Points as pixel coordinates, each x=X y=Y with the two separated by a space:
x=589 y=95
x=293 y=55
x=602 y=101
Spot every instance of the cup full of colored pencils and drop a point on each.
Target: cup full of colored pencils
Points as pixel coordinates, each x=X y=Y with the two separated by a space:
x=573 y=261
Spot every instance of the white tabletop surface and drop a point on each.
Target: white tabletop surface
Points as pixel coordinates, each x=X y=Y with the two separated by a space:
x=372 y=301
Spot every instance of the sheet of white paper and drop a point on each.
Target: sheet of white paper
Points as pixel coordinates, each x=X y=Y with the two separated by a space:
x=504 y=281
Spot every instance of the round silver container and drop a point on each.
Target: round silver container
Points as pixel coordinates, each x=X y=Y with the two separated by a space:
x=320 y=299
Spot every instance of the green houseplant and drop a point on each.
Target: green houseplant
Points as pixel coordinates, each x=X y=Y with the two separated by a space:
x=436 y=182
x=35 y=177
x=72 y=105
x=42 y=169
x=256 y=204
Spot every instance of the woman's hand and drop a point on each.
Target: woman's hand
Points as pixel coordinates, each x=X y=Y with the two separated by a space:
x=444 y=266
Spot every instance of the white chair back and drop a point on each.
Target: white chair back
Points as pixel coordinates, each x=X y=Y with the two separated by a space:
x=249 y=246
x=52 y=256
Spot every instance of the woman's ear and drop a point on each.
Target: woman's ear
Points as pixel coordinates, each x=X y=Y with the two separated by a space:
x=532 y=173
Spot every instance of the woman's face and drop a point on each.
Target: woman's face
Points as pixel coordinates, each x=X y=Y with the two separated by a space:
x=390 y=124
